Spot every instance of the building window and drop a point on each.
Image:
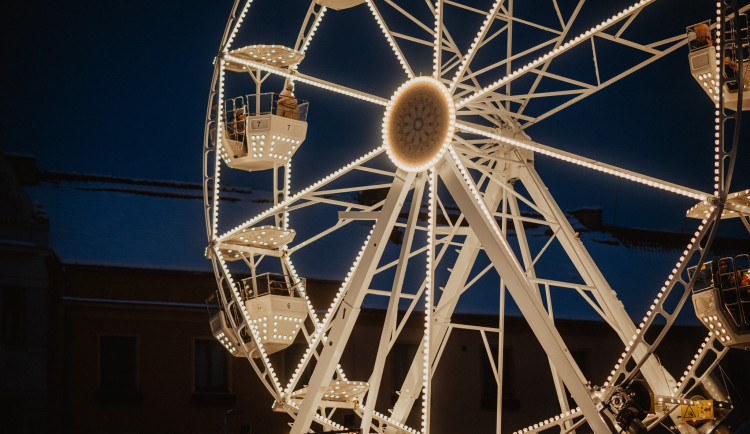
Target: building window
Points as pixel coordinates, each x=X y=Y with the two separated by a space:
x=211 y=374
x=489 y=384
x=118 y=370
x=12 y=316
x=403 y=354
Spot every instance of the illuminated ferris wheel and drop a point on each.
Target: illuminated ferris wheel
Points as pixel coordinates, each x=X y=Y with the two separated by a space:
x=447 y=208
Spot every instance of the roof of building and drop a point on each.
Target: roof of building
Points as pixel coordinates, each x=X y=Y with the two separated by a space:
x=151 y=224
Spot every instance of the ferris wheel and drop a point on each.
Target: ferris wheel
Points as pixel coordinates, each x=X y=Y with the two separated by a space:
x=446 y=209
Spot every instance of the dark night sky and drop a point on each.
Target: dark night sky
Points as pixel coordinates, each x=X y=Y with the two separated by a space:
x=121 y=89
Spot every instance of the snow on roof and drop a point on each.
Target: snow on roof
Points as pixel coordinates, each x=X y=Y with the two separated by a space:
x=101 y=220
x=108 y=221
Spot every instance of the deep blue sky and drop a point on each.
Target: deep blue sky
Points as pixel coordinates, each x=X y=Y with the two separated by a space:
x=121 y=89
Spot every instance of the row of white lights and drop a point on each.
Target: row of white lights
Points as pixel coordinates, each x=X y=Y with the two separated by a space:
x=426 y=398
x=224 y=340
x=313 y=315
x=220 y=146
x=438 y=39
x=557 y=420
x=674 y=277
x=388 y=37
x=249 y=321
x=385 y=128
x=659 y=301
x=562 y=48
x=323 y=420
x=477 y=39
x=308 y=80
x=318 y=334
x=300 y=194
x=588 y=164
x=237 y=25
x=723 y=336
x=690 y=370
x=390 y=421
x=718 y=136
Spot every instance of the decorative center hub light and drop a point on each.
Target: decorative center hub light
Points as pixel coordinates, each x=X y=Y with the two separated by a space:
x=419 y=123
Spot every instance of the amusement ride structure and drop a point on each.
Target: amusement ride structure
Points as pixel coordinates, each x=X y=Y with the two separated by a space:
x=453 y=178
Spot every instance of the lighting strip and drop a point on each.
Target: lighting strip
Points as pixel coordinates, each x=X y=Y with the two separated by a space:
x=557 y=420
x=477 y=39
x=298 y=77
x=375 y=152
x=388 y=36
x=693 y=364
x=390 y=421
x=588 y=163
x=438 y=40
x=237 y=26
x=312 y=31
x=656 y=306
x=718 y=99
x=480 y=202
x=562 y=48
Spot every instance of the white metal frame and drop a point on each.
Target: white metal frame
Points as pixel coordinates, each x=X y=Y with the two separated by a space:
x=490 y=151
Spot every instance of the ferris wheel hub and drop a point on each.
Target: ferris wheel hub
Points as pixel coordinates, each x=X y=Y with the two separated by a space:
x=418 y=124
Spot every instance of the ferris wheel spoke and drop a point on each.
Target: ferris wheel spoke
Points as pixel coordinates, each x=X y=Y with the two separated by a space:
x=588 y=163
x=437 y=10
x=558 y=50
x=389 y=37
x=302 y=194
x=300 y=77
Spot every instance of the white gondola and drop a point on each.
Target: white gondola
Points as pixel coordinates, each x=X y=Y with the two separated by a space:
x=721 y=298
x=262 y=131
x=220 y=329
x=276 y=309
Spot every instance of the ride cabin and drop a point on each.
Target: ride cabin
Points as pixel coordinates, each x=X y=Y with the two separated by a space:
x=721 y=298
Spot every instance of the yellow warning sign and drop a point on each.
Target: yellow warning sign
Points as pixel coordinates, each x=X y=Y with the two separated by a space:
x=697 y=411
